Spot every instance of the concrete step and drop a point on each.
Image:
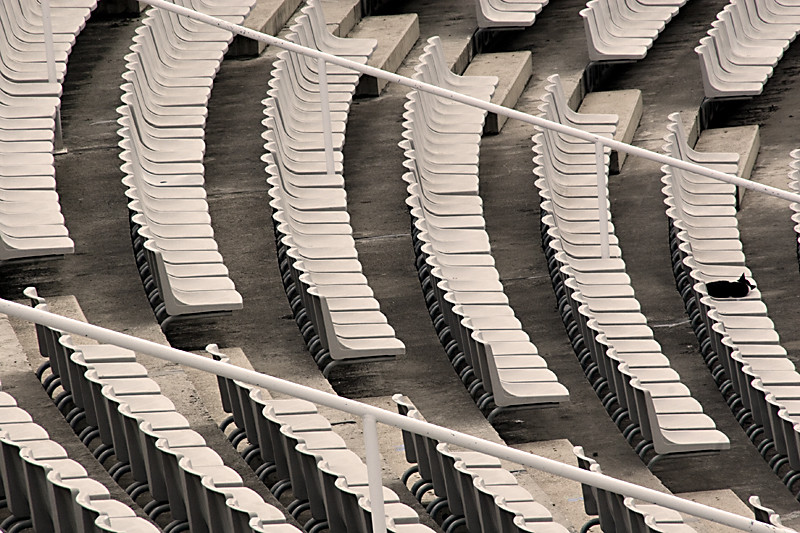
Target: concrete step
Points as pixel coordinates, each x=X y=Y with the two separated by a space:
x=267 y=16
x=743 y=140
x=341 y=15
x=721 y=499
x=627 y=104
x=514 y=70
x=396 y=35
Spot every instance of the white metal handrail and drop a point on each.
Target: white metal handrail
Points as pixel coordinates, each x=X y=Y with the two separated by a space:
x=372 y=414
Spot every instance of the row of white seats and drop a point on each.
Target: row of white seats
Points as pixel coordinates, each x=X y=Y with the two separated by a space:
x=478 y=492
x=31 y=223
x=746 y=41
x=46 y=490
x=333 y=304
x=617 y=512
x=151 y=440
x=794 y=185
x=508 y=13
x=596 y=297
x=165 y=98
x=737 y=336
x=624 y=30
x=299 y=446
x=474 y=320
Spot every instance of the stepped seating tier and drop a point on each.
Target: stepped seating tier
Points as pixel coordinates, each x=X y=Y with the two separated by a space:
x=117 y=403
x=478 y=492
x=624 y=30
x=483 y=339
x=737 y=338
x=616 y=512
x=165 y=103
x=297 y=449
x=332 y=302
x=610 y=335
x=31 y=223
x=746 y=41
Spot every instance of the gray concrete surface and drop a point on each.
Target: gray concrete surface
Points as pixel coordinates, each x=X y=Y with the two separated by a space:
x=267 y=16
x=101 y=274
x=743 y=140
x=514 y=70
x=396 y=35
x=627 y=105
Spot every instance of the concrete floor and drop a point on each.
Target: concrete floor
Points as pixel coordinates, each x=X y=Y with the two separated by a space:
x=101 y=275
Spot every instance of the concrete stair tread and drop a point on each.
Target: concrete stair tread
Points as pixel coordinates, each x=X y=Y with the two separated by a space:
x=721 y=499
x=396 y=35
x=341 y=15
x=627 y=105
x=514 y=69
x=267 y=16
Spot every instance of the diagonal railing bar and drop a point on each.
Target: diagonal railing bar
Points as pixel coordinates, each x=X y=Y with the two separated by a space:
x=475 y=102
x=369 y=412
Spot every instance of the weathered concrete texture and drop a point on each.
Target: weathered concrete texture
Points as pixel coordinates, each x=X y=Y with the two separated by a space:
x=341 y=15
x=627 y=105
x=514 y=70
x=742 y=140
x=396 y=35
x=565 y=495
x=267 y=16
x=721 y=499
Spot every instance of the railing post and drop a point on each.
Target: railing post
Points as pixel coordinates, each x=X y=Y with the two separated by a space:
x=52 y=74
x=602 y=198
x=374 y=474
x=326 y=116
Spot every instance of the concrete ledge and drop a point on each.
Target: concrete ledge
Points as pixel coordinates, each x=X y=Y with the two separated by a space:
x=514 y=70
x=626 y=104
x=268 y=16
x=341 y=15
x=396 y=35
x=743 y=140
x=723 y=499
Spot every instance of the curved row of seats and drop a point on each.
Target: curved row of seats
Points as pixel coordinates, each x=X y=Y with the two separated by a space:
x=507 y=13
x=484 y=340
x=45 y=490
x=794 y=185
x=110 y=396
x=31 y=223
x=617 y=512
x=331 y=299
x=737 y=338
x=624 y=30
x=299 y=450
x=596 y=299
x=168 y=80
x=474 y=487
x=746 y=41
